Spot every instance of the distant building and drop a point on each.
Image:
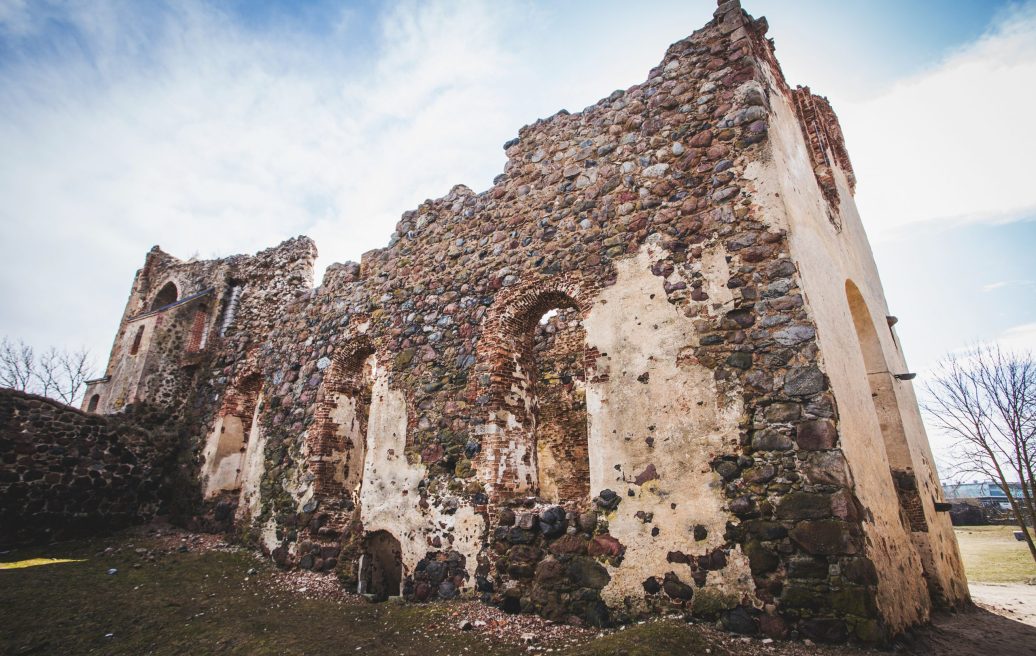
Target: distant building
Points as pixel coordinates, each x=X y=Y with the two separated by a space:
x=986 y=492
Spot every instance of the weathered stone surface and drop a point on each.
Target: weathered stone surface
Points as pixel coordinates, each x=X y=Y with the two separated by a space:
x=824 y=630
x=676 y=588
x=588 y=573
x=761 y=559
x=568 y=544
x=804 y=505
x=761 y=474
x=739 y=620
x=815 y=435
x=826 y=537
x=783 y=412
x=804 y=381
x=771 y=440
x=826 y=468
x=605 y=545
x=66 y=473
x=766 y=530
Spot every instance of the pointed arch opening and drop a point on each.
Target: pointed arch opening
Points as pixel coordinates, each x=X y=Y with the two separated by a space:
x=165 y=296
x=886 y=407
x=94 y=401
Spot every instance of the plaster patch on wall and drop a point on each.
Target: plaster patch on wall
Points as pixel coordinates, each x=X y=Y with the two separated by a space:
x=253 y=467
x=674 y=419
x=390 y=495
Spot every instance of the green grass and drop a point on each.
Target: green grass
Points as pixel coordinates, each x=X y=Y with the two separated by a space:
x=196 y=603
x=992 y=555
x=205 y=602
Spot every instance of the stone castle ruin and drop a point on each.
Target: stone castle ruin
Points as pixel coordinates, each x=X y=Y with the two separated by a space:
x=650 y=369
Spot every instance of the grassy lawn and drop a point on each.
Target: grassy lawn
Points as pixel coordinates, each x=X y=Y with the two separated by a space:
x=202 y=602
x=992 y=555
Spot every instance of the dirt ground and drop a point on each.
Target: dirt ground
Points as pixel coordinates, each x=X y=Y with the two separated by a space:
x=1002 y=580
x=1016 y=601
x=157 y=590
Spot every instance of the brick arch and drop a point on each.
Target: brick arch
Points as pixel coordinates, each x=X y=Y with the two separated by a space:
x=337 y=438
x=507 y=460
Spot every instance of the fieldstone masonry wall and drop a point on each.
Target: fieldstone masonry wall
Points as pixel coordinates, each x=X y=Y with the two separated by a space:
x=690 y=429
x=65 y=473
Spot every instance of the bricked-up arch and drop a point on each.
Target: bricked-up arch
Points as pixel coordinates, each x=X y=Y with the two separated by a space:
x=135 y=347
x=337 y=439
x=199 y=330
x=226 y=445
x=509 y=372
x=165 y=296
x=886 y=407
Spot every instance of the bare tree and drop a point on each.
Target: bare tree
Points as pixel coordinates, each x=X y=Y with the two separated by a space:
x=76 y=368
x=48 y=373
x=58 y=374
x=17 y=363
x=986 y=400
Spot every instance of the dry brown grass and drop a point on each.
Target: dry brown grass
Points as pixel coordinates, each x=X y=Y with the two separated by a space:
x=992 y=555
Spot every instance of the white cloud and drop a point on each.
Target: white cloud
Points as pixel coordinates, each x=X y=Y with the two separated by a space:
x=191 y=132
x=180 y=125
x=1019 y=338
x=1004 y=284
x=953 y=143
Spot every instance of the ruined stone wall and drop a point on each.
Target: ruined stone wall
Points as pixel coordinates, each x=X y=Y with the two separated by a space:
x=222 y=310
x=65 y=473
x=709 y=418
x=882 y=436
x=695 y=234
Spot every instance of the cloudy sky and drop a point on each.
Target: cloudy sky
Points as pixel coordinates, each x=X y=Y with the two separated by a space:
x=226 y=127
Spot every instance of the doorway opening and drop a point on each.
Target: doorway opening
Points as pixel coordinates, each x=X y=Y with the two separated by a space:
x=381 y=566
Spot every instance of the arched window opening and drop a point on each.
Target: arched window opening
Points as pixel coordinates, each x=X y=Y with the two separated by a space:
x=135 y=348
x=533 y=353
x=94 y=401
x=381 y=566
x=165 y=296
x=233 y=429
x=559 y=389
x=199 y=330
x=886 y=407
x=339 y=436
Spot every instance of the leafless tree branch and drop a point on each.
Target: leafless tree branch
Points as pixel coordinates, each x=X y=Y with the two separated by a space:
x=58 y=374
x=986 y=401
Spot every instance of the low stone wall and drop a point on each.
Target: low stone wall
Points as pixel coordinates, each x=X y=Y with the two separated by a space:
x=65 y=473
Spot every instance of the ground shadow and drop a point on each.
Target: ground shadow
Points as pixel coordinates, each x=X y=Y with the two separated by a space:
x=969 y=632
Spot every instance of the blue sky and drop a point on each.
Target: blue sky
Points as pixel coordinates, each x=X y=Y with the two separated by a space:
x=225 y=127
